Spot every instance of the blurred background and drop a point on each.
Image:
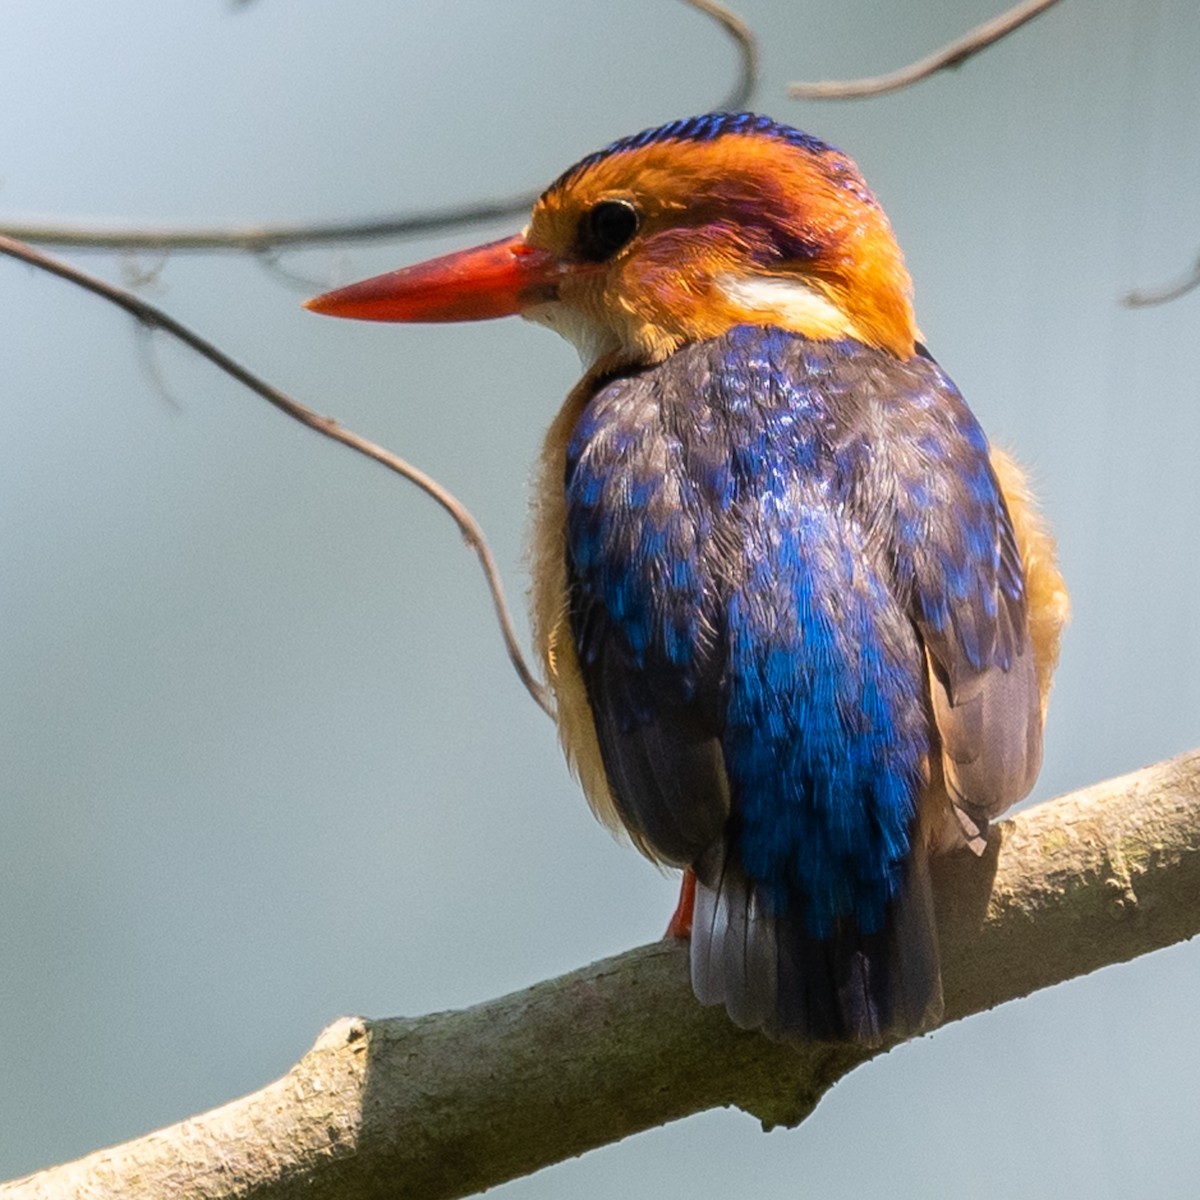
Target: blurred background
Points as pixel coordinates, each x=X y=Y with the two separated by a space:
x=262 y=758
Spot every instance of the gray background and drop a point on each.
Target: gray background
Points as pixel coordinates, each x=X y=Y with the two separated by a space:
x=262 y=759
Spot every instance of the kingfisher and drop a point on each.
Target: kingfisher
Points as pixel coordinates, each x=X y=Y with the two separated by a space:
x=798 y=617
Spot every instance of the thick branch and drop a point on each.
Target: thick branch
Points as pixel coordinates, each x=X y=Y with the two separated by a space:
x=953 y=54
x=449 y=1104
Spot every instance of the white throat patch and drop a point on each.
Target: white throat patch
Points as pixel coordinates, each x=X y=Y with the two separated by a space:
x=788 y=302
x=592 y=339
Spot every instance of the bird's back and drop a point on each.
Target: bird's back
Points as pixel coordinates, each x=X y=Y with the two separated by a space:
x=756 y=532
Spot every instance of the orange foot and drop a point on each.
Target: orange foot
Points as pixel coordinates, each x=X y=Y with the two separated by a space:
x=681 y=921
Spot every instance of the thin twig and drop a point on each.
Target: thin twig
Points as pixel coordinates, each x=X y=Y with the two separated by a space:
x=271 y=261
x=260 y=238
x=747 y=83
x=264 y=237
x=952 y=55
x=1145 y=297
x=144 y=340
x=152 y=317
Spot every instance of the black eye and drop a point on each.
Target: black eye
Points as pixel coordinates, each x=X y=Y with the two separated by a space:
x=605 y=228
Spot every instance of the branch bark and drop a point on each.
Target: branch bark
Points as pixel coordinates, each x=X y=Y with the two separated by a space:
x=449 y=1104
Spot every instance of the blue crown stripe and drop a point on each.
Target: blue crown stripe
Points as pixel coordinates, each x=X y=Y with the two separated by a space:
x=704 y=128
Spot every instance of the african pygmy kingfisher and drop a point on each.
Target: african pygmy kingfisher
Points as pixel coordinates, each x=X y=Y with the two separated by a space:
x=798 y=617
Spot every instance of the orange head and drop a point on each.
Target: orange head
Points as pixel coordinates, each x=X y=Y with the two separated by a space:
x=673 y=236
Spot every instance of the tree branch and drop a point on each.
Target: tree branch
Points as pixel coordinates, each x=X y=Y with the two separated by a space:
x=449 y=1104
x=954 y=54
x=260 y=238
x=747 y=46
x=1145 y=297
x=142 y=236
x=152 y=317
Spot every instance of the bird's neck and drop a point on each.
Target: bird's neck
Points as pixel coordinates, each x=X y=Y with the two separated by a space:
x=805 y=305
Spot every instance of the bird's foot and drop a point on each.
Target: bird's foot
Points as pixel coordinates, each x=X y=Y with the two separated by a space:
x=681 y=921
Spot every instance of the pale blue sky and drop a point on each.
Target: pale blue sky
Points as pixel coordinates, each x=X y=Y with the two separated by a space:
x=262 y=759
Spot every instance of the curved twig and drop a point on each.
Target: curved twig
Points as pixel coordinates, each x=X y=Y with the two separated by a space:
x=747 y=83
x=954 y=54
x=270 y=260
x=259 y=238
x=150 y=316
x=1145 y=297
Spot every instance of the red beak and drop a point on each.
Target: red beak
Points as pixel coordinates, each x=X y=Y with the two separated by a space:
x=496 y=280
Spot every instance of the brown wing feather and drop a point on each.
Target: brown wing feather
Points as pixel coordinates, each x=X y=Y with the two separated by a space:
x=990 y=723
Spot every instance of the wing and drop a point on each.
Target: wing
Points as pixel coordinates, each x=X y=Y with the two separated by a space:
x=757 y=687
x=662 y=755
x=639 y=594
x=784 y=558
x=958 y=553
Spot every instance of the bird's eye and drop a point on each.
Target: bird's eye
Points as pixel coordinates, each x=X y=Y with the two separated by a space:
x=605 y=228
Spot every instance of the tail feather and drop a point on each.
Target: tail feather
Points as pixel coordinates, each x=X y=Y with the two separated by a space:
x=734 y=954
x=770 y=973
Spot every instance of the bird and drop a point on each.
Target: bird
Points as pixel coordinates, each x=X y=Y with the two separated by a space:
x=798 y=616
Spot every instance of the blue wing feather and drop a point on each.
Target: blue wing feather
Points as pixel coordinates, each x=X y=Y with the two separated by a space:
x=770 y=541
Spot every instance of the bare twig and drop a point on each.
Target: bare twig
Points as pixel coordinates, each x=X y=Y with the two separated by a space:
x=264 y=237
x=152 y=317
x=271 y=261
x=258 y=238
x=747 y=83
x=1145 y=297
x=449 y=1104
x=952 y=55
x=144 y=340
